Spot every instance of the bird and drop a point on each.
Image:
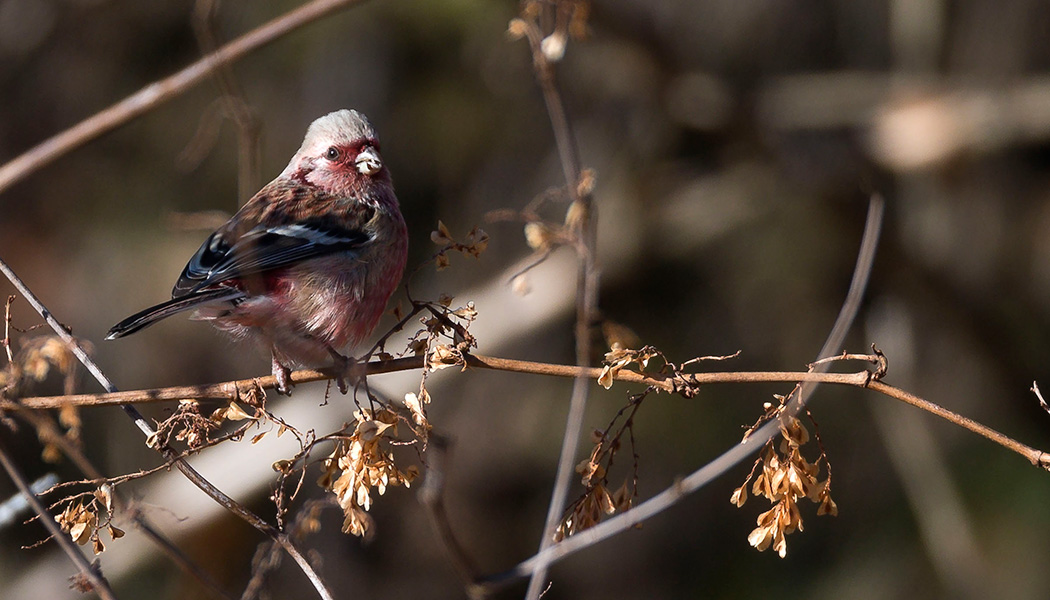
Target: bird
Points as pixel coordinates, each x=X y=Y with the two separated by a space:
x=305 y=268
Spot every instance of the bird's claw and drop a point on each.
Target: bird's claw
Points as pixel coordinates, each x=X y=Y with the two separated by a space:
x=283 y=375
x=344 y=366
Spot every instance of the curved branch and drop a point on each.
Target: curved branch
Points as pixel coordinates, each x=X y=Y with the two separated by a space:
x=168 y=452
x=686 y=385
x=88 y=571
x=1035 y=456
x=159 y=92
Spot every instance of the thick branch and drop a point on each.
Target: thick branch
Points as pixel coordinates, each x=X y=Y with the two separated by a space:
x=686 y=386
x=230 y=390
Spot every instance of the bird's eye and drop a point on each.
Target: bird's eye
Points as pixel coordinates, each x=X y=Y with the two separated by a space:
x=332 y=154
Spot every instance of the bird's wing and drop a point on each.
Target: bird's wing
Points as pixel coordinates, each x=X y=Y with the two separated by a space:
x=267 y=234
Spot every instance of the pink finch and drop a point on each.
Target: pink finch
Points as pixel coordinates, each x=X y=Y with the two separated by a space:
x=305 y=268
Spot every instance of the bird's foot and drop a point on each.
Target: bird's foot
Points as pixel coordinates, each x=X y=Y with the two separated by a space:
x=344 y=367
x=283 y=375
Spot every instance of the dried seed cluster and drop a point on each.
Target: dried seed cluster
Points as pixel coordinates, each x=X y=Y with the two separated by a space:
x=618 y=358
x=597 y=501
x=39 y=358
x=83 y=521
x=474 y=244
x=361 y=463
x=783 y=476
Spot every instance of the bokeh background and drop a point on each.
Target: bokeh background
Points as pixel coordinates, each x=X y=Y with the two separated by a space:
x=735 y=143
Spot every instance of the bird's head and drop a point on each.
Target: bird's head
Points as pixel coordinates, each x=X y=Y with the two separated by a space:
x=340 y=154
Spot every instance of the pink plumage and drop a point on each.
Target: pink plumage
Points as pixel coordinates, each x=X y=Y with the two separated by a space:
x=306 y=267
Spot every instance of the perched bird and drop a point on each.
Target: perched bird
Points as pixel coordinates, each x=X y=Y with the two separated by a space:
x=306 y=266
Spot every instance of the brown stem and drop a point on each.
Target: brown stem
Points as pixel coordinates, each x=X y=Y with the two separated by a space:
x=1034 y=456
x=168 y=452
x=231 y=390
x=7 y=329
x=49 y=433
x=432 y=497
x=684 y=386
x=159 y=92
x=687 y=386
x=90 y=572
x=583 y=226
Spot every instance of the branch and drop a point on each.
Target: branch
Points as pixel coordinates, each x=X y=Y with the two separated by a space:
x=159 y=92
x=48 y=432
x=1036 y=457
x=580 y=221
x=88 y=571
x=733 y=456
x=230 y=390
x=686 y=385
x=168 y=452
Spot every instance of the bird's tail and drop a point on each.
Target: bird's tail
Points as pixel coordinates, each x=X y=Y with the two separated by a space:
x=153 y=314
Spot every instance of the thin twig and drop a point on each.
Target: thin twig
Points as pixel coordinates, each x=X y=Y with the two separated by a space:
x=1034 y=456
x=7 y=328
x=90 y=572
x=666 y=383
x=48 y=432
x=168 y=452
x=237 y=108
x=586 y=289
x=432 y=497
x=159 y=92
x=758 y=439
x=1039 y=396
x=229 y=390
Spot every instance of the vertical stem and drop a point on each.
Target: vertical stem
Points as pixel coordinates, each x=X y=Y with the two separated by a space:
x=586 y=296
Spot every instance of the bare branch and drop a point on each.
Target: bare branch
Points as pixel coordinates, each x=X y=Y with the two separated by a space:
x=168 y=452
x=686 y=385
x=581 y=222
x=1039 y=396
x=7 y=328
x=1034 y=456
x=159 y=92
x=90 y=572
x=740 y=452
x=49 y=433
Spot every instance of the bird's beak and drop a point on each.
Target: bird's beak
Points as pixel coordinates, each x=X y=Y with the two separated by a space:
x=368 y=162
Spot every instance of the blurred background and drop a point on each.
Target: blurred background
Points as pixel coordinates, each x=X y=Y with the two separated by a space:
x=736 y=143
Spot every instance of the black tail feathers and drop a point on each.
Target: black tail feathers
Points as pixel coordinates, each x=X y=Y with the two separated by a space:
x=151 y=315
